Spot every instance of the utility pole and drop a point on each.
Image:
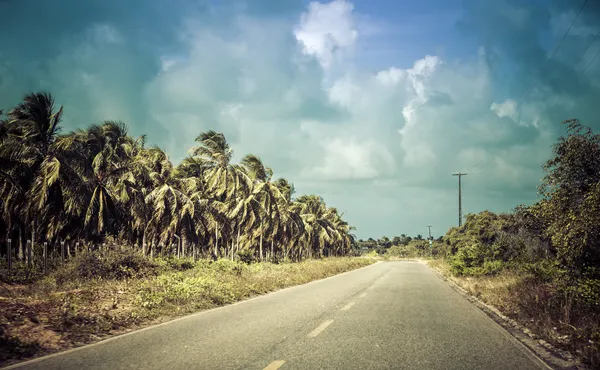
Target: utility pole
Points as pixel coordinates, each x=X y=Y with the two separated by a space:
x=429 y=227
x=459 y=174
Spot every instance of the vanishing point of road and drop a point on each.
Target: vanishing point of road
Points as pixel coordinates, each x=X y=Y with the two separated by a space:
x=390 y=315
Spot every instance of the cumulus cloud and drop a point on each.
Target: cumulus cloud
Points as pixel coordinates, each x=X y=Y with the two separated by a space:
x=505 y=109
x=378 y=141
x=327 y=31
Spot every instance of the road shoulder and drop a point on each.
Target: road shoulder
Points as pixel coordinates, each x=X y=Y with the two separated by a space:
x=552 y=357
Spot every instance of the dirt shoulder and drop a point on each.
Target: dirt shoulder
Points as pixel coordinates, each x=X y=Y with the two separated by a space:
x=69 y=309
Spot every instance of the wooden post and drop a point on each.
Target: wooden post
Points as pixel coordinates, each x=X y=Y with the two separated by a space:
x=9 y=254
x=62 y=251
x=45 y=257
x=28 y=257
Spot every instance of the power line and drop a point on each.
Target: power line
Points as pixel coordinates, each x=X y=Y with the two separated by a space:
x=548 y=61
x=577 y=62
x=586 y=49
x=591 y=61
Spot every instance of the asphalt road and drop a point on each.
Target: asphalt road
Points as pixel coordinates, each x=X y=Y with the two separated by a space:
x=391 y=315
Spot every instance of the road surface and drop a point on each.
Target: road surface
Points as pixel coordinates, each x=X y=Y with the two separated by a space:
x=391 y=315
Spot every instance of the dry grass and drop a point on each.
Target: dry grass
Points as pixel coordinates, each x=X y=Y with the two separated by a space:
x=65 y=309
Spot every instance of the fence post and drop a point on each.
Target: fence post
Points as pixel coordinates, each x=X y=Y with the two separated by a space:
x=9 y=252
x=62 y=251
x=45 y=257
x=29 y=248
x=28 y=257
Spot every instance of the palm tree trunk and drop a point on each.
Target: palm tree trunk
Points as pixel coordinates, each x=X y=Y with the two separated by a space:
x=237 y=248
x=272 y=250
x=144 y=242
x=30 y=251
x=261 y=241
x=21 y=253
x=216 y=241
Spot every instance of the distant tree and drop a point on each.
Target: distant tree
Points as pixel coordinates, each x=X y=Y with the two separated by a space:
x=419 y=237
x=396 y=240
x=385 y=242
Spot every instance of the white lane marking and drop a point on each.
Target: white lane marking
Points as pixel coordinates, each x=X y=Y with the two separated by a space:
x=321 y=327
x=362 y=295
x=275 y=365
x=347 y=307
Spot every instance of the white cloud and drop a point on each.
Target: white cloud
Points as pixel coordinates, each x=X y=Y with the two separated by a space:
x=505 y=109
x=326 y=31
x=167 y=63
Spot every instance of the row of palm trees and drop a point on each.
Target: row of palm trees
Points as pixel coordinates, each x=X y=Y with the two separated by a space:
x=97 y=183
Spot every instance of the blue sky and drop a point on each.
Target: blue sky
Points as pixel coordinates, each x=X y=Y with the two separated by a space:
x=370 y=103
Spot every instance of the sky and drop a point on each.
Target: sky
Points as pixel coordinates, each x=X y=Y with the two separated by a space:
x=371 y=104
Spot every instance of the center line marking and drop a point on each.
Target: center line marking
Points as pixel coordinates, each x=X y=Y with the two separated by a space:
x=362 y=295
x=275 y=365
x=321 y=327
x=347 y=307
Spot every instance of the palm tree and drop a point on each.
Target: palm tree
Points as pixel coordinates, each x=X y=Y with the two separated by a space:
x=314 y=213
x=99 y=181
x=223 y=178
x=27 y=152
x=267 y=194
x=108 y=165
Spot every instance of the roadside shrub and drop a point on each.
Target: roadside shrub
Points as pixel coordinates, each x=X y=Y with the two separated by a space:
x=125 y=265
x=372 y=253
x=117 y=265
x=473 y=261
x=90 y=266
x=544 y=271
x=180 y=264
x=246 y=256
x=226 y=266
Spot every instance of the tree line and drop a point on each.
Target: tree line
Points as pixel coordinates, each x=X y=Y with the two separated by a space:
x=98 y=184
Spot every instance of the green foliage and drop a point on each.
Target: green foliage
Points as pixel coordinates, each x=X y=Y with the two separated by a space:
x=99 y=183
x=551 y=248
x=179 y=264
x=372 y=253
x=571 y=204
x=114 y=265
x=246 y=256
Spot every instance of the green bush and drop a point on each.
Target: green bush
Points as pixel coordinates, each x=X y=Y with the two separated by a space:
x=372 y=253
x=180 y=264
x=246 y=256
x=113 y=265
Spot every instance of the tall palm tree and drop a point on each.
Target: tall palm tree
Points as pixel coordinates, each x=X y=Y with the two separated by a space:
x=99 y=181
x=110 y=161
x=29 y=132
x=315 y=215
x=268 y=196
x=223 y=178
